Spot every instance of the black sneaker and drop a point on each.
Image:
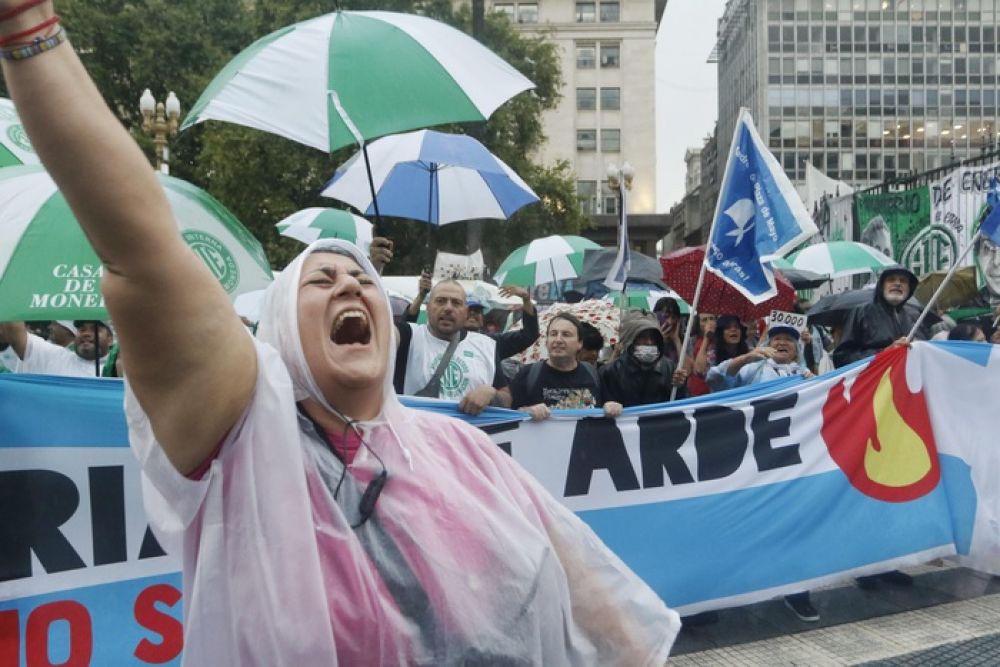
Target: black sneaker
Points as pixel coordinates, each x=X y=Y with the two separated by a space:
x=896 y=578
x=802 y=607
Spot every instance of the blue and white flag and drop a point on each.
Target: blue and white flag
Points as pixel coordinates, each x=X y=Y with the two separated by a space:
x=759 y=216
x=990 y=227
x=618 y=273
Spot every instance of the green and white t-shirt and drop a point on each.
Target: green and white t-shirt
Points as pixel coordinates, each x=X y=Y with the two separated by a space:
x=473 y=363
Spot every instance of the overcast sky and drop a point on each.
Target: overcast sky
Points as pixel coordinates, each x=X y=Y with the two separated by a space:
x=686 y=100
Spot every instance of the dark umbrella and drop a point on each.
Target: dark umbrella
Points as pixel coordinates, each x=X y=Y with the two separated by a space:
x=833 y=309
x=597 y=262
x=802 y=279
x=680 y=272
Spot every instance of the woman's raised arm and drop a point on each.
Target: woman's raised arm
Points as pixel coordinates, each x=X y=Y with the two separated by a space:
x=186 y=353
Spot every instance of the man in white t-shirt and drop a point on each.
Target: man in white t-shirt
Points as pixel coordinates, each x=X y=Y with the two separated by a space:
x=37 y=355
x=471 y=374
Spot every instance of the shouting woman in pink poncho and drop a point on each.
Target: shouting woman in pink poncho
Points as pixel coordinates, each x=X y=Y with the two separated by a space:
x=320 y=522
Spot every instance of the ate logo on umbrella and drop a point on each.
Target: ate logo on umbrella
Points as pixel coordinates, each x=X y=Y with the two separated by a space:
x=217 y=258
x=19 y=138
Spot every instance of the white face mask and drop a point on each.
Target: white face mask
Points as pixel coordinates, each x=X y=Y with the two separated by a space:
x=646 y=354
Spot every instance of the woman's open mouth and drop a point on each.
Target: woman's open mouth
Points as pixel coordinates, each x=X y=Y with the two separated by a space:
x=351 y=327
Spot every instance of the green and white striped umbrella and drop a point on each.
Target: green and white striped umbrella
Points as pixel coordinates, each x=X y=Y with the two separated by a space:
x=336 y=79
x=15 y=149
x=311 y=224
x=49 y=271
x=646 y=299
x=840 y=258
x=544 y=260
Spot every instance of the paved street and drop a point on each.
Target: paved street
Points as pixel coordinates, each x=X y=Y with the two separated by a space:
x=950 y=616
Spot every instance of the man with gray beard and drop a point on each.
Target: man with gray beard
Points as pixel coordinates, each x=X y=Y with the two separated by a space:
x=883 y=322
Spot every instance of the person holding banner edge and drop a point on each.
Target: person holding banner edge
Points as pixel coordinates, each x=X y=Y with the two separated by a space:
x=263 y=424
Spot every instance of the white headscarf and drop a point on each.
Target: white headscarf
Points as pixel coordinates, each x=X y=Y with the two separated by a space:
x=279 y=325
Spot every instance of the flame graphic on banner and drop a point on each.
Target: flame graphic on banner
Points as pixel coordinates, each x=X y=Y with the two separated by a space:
x=882 y=438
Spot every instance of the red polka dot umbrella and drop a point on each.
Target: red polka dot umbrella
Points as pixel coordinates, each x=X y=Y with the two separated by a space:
x=680 y=272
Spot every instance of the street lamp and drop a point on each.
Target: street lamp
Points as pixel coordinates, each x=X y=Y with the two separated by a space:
x=160 y=121
x=617 y=174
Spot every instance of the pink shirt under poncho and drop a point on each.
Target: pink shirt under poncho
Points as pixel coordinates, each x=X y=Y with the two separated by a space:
x=465 y=561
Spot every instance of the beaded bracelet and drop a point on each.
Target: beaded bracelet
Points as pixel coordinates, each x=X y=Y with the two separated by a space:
x=37 y=46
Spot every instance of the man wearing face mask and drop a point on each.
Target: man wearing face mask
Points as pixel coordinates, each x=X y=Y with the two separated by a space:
x=884 y=322
x=641 y=374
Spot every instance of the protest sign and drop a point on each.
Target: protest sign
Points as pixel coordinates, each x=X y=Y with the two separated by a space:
x=783 y=318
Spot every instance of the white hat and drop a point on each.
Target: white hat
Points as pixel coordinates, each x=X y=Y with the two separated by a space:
x=68 y=325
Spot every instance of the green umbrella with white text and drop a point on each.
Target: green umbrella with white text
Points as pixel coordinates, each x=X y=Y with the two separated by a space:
x=49 y=271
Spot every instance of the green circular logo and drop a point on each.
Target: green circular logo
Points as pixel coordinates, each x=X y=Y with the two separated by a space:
x=933 y=249
x=216 y=256
x=19 y=138
x=455 y=379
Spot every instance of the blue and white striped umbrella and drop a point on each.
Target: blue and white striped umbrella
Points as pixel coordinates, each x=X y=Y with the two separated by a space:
x=433 y=177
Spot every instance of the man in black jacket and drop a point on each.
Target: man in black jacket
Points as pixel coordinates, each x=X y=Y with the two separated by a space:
x=641 y=374
x=884 y=322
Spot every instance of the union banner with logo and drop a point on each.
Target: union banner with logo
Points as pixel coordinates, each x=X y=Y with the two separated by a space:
x=716 y=501
x=899 y=225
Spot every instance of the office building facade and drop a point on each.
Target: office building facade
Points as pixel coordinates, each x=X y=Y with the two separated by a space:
x=606 y=115
x=866 y=90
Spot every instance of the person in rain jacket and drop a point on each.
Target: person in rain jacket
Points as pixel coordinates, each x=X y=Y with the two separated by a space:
x=318 y=521
x=883 y=322
x=641 y=374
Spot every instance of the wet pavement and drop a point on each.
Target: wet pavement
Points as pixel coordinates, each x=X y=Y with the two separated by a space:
x=950 y=616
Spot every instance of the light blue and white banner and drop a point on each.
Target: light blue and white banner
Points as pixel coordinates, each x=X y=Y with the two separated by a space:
x=716 y=501
x=759 y=216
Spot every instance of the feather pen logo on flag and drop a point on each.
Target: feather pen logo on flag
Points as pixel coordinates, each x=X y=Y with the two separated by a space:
x=759 y=216
x=882 y=437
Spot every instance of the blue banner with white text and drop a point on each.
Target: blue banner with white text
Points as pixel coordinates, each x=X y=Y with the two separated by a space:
x=715 y=501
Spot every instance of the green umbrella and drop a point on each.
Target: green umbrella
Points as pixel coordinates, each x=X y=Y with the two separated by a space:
x=544 y=260
x=840 y=258
x=49 y=271
x=345 y=77
x=15 y=149
x=646 y=299
x=311 y=224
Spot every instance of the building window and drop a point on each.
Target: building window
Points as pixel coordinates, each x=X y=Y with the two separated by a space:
x=586 y=99
x=527 y=12
x=611 y=141
x=505 y=8
x=586 y=140
x=611 y=99
x=586 y=12
x=609 y=199
x=610 y=12
x=610 y=54
x=586 y=55
x=586 y=194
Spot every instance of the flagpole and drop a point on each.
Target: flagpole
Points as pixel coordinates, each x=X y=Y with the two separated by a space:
x=693 y=309
x=930 y=303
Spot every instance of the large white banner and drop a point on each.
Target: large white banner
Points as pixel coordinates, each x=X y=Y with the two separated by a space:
x=958 y=200
x=715 y=501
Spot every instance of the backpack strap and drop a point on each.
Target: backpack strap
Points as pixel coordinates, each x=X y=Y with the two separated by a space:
x=402 y=355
